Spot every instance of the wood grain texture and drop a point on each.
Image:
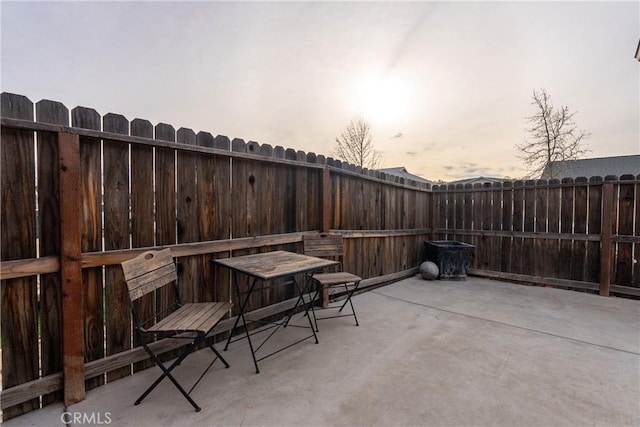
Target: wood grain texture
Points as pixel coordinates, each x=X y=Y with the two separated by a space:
x=142 y=214
x=626 y=219
x=18 y=240
x=116 y=236
x=91 y=228
x=566 y=219
x=73 y=290
x=49 y=233
x=165 y=205
x=594 y=229
x=187 y=215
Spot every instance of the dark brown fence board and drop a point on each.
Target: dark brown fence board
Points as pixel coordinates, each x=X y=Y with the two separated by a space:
x=302 y=186
x=487 y=224
x=71 y=269
x=528 y=248
x=116 y=236
x=566 y=220
x=624 y=253
x=507 y=225
x=606 y=248
x=578 y=252
x=552 y=247
x=222 y=207
x=496 y=224
x=142 y=215
x=91 y=187
x=188 y=229
x=594 y=228
x=442 y=213
x=18 y=240
x=478 y=224
x=541 y=265
x=49 y=238
x=205 y=215
x=290 y=193
x=269 y=201
x=636 y=248
x=165 y=205
x=459 y=211
x=468 y=213
x=243 y=222
x=518 y=225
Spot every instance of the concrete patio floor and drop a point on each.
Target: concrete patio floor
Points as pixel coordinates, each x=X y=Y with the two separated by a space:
x=427 y=353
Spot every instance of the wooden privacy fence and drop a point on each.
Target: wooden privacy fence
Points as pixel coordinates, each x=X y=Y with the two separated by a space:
x=581 y=233
x=83 y=192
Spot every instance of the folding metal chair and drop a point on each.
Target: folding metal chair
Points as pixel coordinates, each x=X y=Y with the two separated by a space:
x=331 y=246
x=149 y=272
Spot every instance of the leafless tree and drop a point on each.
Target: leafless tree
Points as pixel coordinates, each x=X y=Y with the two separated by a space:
x=553 y=136
x=354 y=145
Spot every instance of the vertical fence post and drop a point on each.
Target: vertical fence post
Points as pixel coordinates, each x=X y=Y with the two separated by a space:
x=326 y=200
x=433 y=215
x=605 y=238
x=71 y=269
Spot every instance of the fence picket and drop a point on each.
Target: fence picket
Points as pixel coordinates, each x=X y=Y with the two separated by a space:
x=566 y=226
x=636 y=246
x=594 y=228
x=142 y=215
x=540 y=226
x=165 y=205
x=116 y=236
x=578 y=252
x=624 y=259
x=91 y=189
x=18 y=240
x=552 y=247
x=49 y=238
x=188 y=229
x=518 y=226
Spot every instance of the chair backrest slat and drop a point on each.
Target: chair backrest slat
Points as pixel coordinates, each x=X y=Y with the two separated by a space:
x=323 y=245
x=148 y=272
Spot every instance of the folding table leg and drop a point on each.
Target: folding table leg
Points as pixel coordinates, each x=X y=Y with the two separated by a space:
x=304 y=305
x=240 y=316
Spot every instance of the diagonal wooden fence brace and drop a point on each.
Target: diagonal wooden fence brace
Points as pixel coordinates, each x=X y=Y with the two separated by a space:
x=71 y=269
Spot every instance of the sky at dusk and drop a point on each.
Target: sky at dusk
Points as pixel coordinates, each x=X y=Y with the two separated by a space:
x=446 y=86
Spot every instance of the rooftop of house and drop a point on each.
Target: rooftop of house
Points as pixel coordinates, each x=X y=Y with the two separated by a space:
x=477 y=180
x=402 y=172
x=600 y=166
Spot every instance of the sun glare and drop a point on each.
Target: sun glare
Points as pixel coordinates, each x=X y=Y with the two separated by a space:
x=383 y=101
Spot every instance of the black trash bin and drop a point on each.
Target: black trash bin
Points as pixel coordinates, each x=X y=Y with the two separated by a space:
x=452 y=258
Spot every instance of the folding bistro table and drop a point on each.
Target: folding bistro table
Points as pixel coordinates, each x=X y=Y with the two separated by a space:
x=266 y=267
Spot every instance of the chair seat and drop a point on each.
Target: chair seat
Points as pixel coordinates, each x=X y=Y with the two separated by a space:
x=339 y=278
x=199 y=317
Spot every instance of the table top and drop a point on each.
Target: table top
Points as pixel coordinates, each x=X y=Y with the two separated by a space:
x=271 y=265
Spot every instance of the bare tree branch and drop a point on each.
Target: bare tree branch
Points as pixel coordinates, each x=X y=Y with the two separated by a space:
x=354 y=145
x=553 y=136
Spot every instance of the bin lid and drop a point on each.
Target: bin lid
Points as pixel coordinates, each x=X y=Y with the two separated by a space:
x=448 y=244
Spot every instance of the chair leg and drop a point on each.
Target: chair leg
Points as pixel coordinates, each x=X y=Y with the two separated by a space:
x=166 y=373
x=349 y=295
